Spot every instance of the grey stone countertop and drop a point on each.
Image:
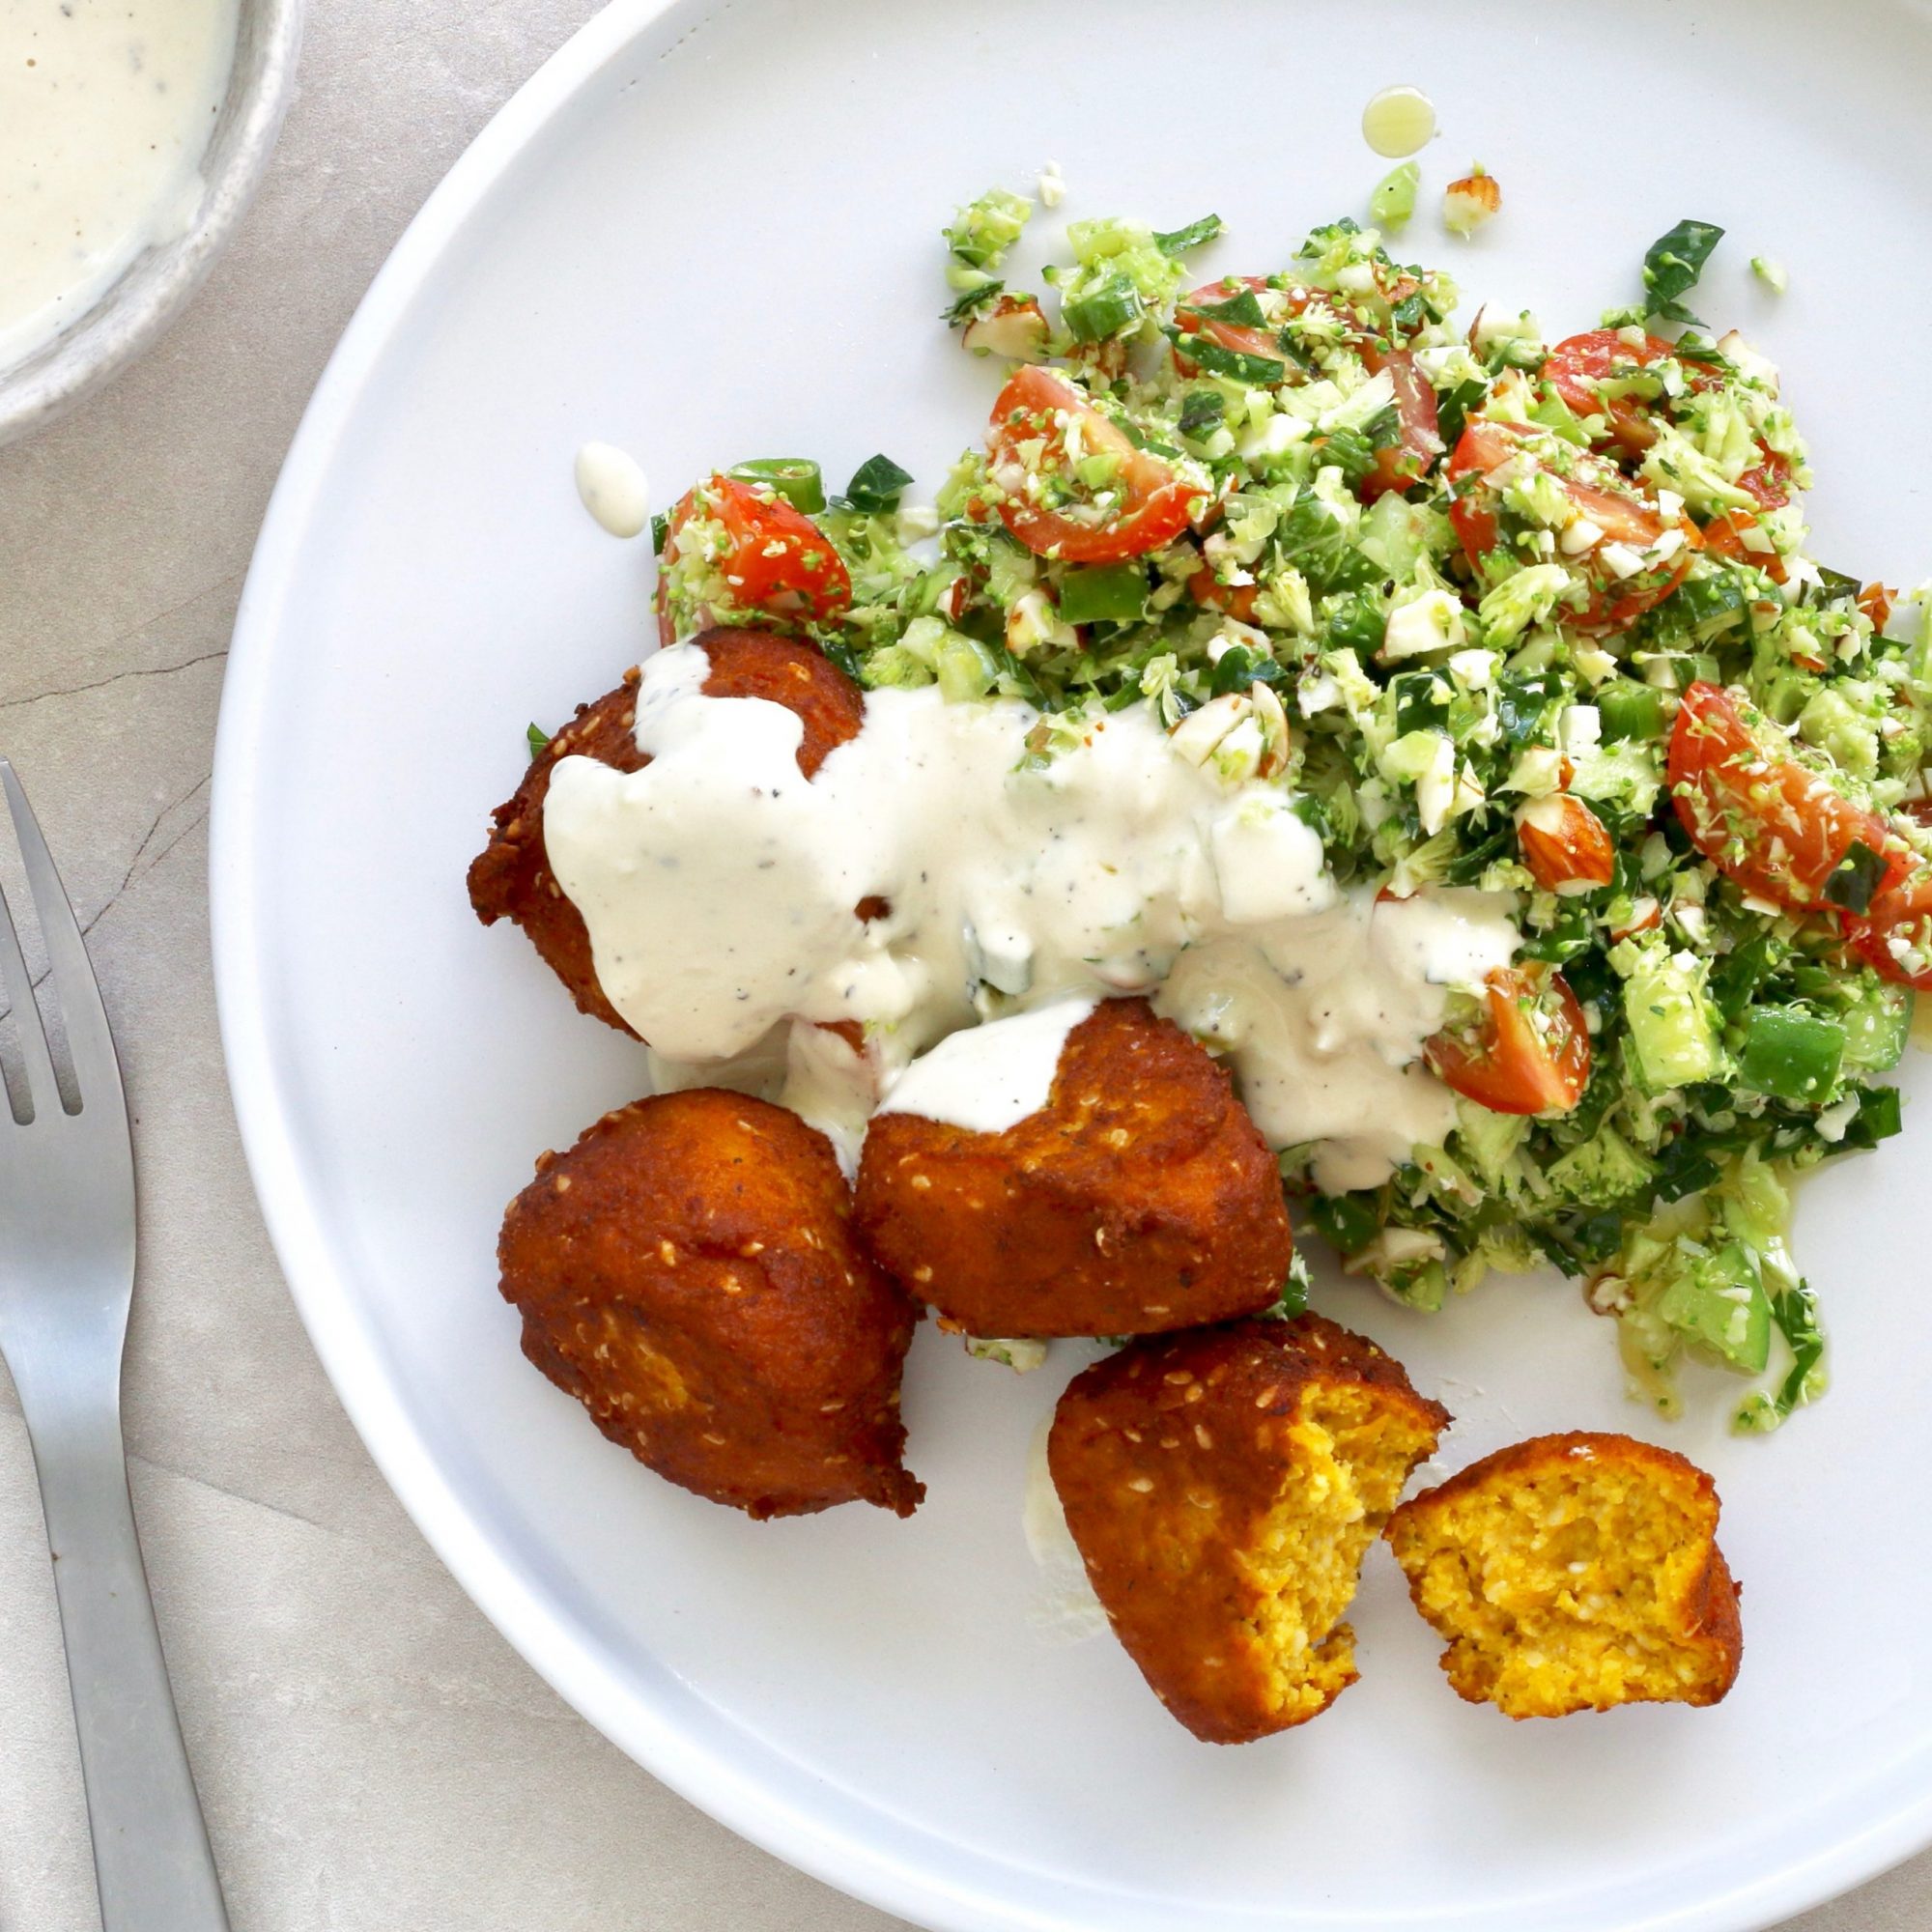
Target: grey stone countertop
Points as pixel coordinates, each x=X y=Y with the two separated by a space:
x=373 y=1756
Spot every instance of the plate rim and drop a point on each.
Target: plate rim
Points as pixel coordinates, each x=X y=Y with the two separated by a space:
x=715 y=1780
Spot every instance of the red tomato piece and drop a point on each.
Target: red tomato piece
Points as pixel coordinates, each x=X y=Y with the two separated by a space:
x=1144 y=506
x=1564 y=844
x=1241 y=337
x=1894 y=937
x=1237 y=600
x=1530 y=1053
x=1401 y=468
x=1577 y=366
x=1776 y=827
x=1619 y=508
x=1768 y=481
x=774 y=559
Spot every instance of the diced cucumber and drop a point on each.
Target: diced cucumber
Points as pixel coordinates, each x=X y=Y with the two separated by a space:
x=1720 y=1301
x=1673 y=1026
x=1105 y=593
x=1876 y=1026
x=1629 y=710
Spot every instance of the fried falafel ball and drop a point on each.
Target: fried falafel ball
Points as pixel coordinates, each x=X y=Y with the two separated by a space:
x=511 y=878
x=1223 y=1487
x=1140 y=1198
x=1574 y=1573
x=687 y=1271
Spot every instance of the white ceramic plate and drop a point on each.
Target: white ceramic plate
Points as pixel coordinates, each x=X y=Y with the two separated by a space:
x=708 y=232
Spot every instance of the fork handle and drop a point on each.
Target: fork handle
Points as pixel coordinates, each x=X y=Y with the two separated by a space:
x=151 y=1860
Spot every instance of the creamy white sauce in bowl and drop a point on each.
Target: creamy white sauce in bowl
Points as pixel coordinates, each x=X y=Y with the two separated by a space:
x=722 y=887
x=132 y=135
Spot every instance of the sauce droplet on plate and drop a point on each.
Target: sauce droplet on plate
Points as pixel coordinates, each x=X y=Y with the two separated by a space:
x=1399 y=121
x=613 y=490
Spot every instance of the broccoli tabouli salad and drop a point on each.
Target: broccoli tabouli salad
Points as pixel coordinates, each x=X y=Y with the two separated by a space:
x=1530 y=617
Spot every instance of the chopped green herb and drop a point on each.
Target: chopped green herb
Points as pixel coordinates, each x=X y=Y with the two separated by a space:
x=1672 y=265
x=1178 y=240
x=877 y=485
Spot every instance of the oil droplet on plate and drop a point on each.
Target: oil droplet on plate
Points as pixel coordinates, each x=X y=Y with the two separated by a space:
x=1399 y=121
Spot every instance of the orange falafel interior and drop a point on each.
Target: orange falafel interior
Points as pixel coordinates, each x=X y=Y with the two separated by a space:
x=1574 y=1573
x=687 y=1271
x=1141 y=1198
x=1223 y=1487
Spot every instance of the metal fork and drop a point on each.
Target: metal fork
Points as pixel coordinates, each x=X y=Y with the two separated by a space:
x=67 y=1277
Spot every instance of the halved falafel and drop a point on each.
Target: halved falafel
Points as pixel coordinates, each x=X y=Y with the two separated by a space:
x=1574 y=1573
x=1223 y=1487
x=687 y=1271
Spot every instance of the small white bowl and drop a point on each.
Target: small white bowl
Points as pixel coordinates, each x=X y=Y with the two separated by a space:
x=131 y=315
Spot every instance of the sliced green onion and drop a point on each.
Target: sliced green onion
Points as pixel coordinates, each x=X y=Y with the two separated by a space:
x=660 y=530
x=1791 y=1054
x=1394 y=200
x=1771 y=273
x=795 y=478
x=1106 y=593
x=877 y=485
x=1178 y=240
x=1103 y=310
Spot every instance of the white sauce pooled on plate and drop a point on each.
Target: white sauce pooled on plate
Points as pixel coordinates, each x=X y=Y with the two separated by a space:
x=105 y=111
x=1067 y=1610
x=720 y=891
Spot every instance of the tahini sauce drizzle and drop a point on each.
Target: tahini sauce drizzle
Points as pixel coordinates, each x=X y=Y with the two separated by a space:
x=105 y=111
x=720 y=887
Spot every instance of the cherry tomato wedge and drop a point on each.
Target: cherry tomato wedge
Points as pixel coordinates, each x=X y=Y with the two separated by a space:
x=1894 y=937
x=750 y=551
x=1618 y=508
x=1237 y=600
x=1141 y=506
x=1776 y=827
x=1576 y=367
x=1242 y=337
x=1529 y=1054
x=1564 y=845
x=1401 y=468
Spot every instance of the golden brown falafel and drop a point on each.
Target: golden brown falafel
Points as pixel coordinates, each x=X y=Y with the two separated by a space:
x=1140 y=1198
x=1223 y=1487
x=511 y=878
x=687 y=1271
x=1574 y=1573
